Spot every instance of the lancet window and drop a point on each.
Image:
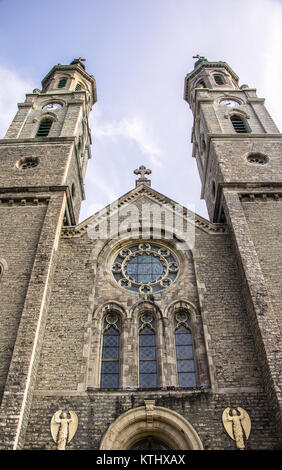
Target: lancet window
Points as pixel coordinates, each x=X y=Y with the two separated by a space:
x=184 y=350
x=110 y=361
x=147 y=352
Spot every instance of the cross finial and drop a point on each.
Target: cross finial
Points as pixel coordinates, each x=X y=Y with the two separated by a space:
x=142 y=171
x=78 y=61
x=198 y=56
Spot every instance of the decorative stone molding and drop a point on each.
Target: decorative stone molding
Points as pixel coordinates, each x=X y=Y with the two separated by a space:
x=240 y=112
x=162 y=423
x=24 y=201
x=260 y=196
x=141 y=190
x=110 y=306
x=149 y=406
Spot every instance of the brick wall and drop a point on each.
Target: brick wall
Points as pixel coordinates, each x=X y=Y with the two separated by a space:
x=230 y=371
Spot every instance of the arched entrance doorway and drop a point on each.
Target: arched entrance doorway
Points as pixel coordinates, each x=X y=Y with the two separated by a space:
x=152 y=426
x=149 y=443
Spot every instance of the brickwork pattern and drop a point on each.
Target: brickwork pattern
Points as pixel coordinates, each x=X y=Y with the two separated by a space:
x=97 y=410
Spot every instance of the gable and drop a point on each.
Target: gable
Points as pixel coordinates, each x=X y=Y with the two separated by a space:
x=142 y=208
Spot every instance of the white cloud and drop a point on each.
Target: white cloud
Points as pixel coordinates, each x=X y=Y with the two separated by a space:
x=12 y=91
x=133 y=129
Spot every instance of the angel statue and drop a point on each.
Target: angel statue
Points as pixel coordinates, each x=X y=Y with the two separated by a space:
x=63 y=428
x=236 y=425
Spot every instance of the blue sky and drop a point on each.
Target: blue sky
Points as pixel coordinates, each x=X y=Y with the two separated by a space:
x=139 y=52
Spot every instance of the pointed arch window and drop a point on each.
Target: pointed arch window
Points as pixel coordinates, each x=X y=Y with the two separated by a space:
x=110 y=361
x=186 y=370
x=44 y=128
x=147 y=352
x=238 y=124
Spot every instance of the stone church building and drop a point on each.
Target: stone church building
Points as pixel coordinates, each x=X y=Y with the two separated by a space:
x=145 y=326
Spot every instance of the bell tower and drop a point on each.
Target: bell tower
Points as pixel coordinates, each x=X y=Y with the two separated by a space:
x=52 y=135
x=238 y=149
x=43 y=159
x=233 y=133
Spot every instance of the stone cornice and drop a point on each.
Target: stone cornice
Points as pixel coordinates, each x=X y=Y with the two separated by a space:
x=245 y=136
x=38 y=140
x=249 y=192
x=9 y=195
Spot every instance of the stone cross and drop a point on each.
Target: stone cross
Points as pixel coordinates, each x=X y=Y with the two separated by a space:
x=198 y=56
x=142 y=171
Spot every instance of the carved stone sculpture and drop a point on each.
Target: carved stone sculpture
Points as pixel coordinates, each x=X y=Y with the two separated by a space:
x=63 y=428
x=236 y=425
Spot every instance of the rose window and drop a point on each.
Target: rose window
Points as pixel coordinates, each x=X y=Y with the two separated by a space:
x=145 y=268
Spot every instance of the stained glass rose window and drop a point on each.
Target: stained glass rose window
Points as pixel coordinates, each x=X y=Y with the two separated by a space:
x=145 y=268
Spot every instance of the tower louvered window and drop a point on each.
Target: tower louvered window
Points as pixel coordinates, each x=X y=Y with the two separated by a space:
x=238 y=124
x=110 y=352
x=147 y=352
x=219 y=79
x=44 y=128
x=62 y=83
x=184 y=350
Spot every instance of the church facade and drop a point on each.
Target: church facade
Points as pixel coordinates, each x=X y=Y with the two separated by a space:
x=145 y=326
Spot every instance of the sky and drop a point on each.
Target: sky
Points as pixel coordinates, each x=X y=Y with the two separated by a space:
x=139 y=52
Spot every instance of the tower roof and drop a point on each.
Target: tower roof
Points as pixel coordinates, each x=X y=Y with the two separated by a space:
x=203 y=62
x=77 y=65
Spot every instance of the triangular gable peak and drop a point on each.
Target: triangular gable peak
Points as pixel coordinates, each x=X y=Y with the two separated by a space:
x=134 y=199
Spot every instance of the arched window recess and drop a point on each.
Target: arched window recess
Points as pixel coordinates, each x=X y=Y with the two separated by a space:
x=62 y=82
x=239 y=123
x=186 y=369
x=44 y=127
x=110 y=359
x=219 y=79
x=148 y=374
x=104 y=365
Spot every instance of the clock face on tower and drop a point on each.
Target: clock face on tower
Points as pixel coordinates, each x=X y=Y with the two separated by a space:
x=230 y=103
x=52 y=106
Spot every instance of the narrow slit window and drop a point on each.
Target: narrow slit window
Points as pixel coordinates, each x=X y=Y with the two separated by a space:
x=110 y=361
x=186 y=370
x=147 y=352
x=62 y=83
x=219 y=80
x=44 y=128
x=238 y=124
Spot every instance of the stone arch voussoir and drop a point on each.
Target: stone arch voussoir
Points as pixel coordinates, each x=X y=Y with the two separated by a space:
x=163 y=423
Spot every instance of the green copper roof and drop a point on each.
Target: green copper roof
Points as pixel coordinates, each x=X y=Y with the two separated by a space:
x=199 y=61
